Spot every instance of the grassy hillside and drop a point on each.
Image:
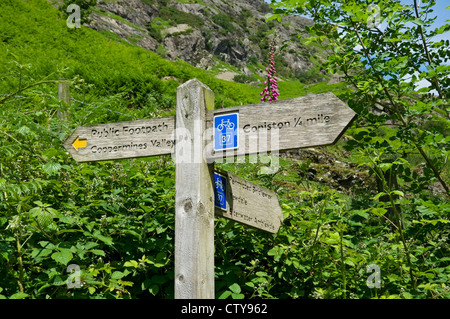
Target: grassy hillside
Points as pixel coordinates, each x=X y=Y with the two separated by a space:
x=35 y=35
x=37 y=44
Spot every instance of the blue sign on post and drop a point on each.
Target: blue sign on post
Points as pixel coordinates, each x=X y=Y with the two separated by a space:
x=220 y=194
x=226 y=132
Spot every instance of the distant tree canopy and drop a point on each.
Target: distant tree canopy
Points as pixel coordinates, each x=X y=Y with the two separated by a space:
x=386 y=51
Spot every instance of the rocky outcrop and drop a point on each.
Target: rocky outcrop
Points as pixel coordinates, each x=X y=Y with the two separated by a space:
x=234 y=31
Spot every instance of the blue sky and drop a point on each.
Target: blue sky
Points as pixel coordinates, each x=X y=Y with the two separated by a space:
x=442 y=14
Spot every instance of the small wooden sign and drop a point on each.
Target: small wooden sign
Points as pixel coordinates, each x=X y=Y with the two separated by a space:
x=308 y=121
x=122 y=140
x=248 y=203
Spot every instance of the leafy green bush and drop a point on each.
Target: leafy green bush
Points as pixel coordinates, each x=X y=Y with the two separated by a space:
x=242 y=78
x=225 y=22
x=180 y=17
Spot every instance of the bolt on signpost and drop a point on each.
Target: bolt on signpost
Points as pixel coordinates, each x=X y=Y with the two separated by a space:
x=197 y=137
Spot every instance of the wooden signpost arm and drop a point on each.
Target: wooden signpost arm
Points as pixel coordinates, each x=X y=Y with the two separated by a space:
x=194 y=195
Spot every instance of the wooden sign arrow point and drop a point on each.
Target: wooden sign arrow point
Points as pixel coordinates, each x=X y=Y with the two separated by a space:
x=79 y=143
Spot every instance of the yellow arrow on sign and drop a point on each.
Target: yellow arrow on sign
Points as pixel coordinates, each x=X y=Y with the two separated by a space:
x=79 y=143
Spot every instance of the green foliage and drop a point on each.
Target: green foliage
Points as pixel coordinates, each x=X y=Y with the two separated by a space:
x=383 y=70
x=180 y=17
x=242 y=78
x=310 y=76
x=115 y=220
x=225 y=21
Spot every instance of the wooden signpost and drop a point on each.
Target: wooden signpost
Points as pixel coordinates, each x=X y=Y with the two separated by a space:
x=198 y=136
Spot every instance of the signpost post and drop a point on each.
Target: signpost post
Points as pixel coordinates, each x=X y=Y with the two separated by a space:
x=198 y=136
x=194 y=193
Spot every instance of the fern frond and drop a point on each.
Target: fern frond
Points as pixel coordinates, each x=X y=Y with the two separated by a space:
x=15 y=191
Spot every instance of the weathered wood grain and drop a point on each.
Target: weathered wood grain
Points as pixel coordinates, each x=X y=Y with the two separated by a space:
x=251 y=204
x=308 y=121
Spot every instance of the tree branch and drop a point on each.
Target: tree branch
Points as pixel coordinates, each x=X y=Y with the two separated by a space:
x=427 y=52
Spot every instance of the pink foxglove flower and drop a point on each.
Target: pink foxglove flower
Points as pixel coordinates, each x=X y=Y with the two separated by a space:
x=270 y=92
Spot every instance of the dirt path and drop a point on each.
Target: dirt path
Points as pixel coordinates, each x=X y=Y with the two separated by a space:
x=227 y=76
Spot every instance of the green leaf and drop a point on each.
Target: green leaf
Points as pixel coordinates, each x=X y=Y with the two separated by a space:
x=379 y=211
x=225 y=294
x=19 y=295
x=362 y=213
x=261 y=274
x=418 y=21
x=64 y=256
x=106 y=240
x=277 y=252
x=432 y=222
x=40 y=252
x=90 y=245
x=235 y=288
x=46 y=244
x=118 y=275
x=271 y=16
x=399 y=193
x=24 y=130
x=131 y=263
x=379 y=195
x=98 y=252
x=153 y=289
x=385 y=166
x=51 y=168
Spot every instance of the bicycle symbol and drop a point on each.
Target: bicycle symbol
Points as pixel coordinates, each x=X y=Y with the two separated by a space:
x=220 y=199
x=219 y=185
x=225 y=124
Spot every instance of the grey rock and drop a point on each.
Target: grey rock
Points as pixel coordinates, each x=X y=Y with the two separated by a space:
x=199 y=46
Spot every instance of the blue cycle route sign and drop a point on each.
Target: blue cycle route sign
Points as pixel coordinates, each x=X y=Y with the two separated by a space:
x=226 y=132
x=220 y=194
